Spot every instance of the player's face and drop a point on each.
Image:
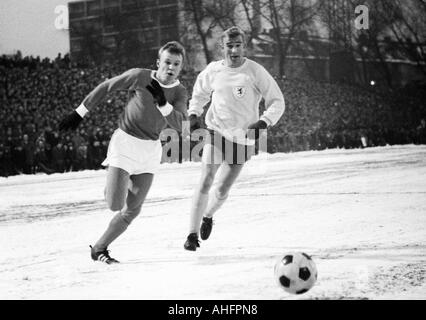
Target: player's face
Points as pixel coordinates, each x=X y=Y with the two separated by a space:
x=233 y=51
x=169 y=67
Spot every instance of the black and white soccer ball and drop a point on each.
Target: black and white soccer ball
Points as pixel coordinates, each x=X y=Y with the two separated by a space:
x=296 y=272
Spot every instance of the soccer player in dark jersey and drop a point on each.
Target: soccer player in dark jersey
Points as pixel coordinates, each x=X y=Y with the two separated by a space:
x=156 y=98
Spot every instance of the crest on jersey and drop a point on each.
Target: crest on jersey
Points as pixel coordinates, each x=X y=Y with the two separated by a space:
x=239 y=91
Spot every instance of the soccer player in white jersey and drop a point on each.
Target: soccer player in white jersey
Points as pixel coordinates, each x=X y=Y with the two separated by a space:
x=156 y=98
x=235 y=87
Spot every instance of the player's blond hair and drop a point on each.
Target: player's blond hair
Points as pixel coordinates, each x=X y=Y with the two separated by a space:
x=233 y=32
x=173 y=47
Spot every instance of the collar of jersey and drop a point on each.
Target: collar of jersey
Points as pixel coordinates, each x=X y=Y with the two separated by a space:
x=222 y=63
x=174 y=84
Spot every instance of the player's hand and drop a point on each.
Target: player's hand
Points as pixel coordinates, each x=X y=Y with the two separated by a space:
x=194 y=123
x=254 y=129
x=71 y=121
x=157 y=92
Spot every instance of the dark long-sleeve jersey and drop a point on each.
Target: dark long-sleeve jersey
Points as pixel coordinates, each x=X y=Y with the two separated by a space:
x=141 y=117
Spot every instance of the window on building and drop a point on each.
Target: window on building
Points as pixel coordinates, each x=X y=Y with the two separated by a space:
x=131 y=5
x=169 y=34
x=111 y=3
x=94 y=8
x=167 y=17
x=147 y=18
x=164 y=2
x=75 y=45
x=150 y=37
x=111 y=7
x=77 y=27
x=149 y=15
x=134 y=20
x=149 y=3
x=141 y=37
x=95 y=24
x=76 y=9
x=109 y=41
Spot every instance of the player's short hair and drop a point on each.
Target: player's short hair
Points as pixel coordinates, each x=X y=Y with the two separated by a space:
x=173 y=47
x=233 y=32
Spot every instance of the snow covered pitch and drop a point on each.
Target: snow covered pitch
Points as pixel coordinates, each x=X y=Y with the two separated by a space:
x=360 y=213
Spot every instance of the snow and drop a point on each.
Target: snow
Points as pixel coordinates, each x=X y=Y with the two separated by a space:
x=360 y=213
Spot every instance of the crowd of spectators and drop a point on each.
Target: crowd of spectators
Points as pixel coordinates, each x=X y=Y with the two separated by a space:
x=325 y=115
x=36 y=94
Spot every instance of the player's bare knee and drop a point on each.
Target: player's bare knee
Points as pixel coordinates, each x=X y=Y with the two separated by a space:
x=206 y=184
x=222 y=192
x=130 y=215
x=128 y=219
x=115 y=205
x=115 y=200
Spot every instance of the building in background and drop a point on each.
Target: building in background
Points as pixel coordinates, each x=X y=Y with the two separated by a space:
x=130 y=30
x=291 y=38
x=324 y=41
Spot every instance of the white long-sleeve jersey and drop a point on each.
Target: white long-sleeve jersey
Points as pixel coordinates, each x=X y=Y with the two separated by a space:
x=235 y=94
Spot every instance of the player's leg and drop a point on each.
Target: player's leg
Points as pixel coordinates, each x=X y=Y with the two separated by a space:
x=201 y=196
x=226 y=177
x=117 y=183
x=235 y=155
x=210 y=164
x=138 y=190
x=116 y=190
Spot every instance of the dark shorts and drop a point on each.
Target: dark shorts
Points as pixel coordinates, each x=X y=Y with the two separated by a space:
x=231 y=152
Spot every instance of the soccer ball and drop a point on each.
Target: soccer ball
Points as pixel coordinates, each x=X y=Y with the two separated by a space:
x=296 y=272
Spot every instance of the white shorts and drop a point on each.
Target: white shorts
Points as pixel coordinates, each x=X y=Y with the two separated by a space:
x=132 y=154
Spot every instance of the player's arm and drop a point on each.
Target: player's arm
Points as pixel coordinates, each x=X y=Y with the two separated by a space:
x=274 y=99
x=179 y=113
x=201 y=94
x=274 y=103
x=174 y=114
x=97 y=95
